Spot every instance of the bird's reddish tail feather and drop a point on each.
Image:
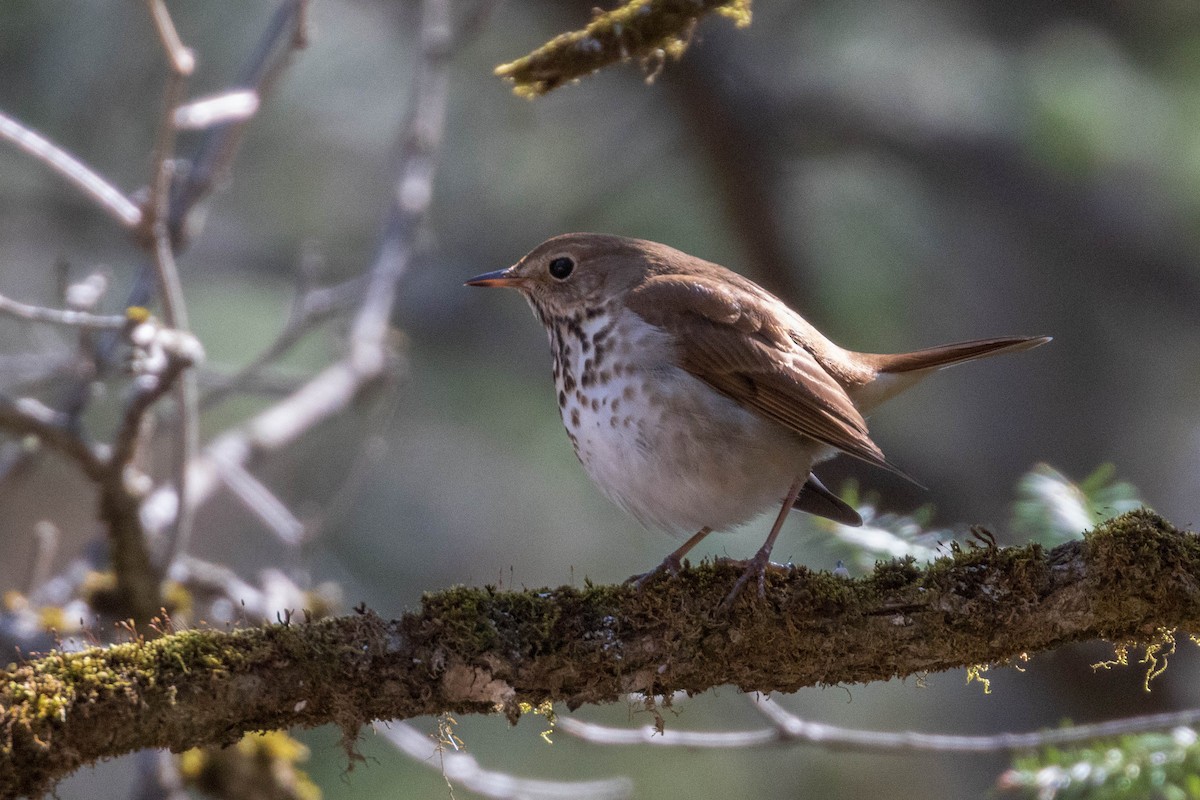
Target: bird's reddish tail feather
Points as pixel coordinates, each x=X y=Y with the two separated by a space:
x=947 y=354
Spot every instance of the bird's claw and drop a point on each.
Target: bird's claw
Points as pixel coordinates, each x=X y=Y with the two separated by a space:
x=670 y=565
x=757 y=568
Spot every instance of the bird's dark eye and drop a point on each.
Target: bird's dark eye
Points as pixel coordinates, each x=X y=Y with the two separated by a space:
x=561 y=268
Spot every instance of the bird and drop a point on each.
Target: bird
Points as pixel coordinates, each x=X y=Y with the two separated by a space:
x=695 y=399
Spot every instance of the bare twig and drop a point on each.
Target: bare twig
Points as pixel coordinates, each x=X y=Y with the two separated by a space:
x=46 y=536
x=74 y=171
x=174 y=309
x=796 y=729
x=312 y=308
x=163 y=356
x=246 y=603
x=218 y=147
x=54 y=316
x=153 y=224
x=286 y=33
x=221 y=109
x=137 y=581
x=183 y=62
x=412 y=189
x=368 y=354
x=179 y=351
x=205 y=576
x=463 y=770
x=262 y=502
x=652 y=735
x=27 y=416
x=788 y=729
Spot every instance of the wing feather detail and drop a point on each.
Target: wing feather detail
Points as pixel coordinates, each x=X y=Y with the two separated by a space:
x=727 y=338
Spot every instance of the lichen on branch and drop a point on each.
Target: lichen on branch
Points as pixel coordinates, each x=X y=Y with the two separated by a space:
x=482 y=650
x=647 y=31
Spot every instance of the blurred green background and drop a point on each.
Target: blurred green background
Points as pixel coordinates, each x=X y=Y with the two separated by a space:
x=904 y=173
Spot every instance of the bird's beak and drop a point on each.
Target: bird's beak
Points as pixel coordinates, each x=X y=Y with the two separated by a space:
x=501 y=277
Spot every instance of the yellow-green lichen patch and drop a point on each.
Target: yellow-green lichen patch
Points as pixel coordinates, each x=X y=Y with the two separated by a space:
x=259 y=765
x=137 y=314
x=1156 y=654
x=42 y=693
x=977 y=673
x=643 y=30
x=543 y=709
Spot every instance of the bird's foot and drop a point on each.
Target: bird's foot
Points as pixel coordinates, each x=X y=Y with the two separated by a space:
x=670 y=565
x=756 y=568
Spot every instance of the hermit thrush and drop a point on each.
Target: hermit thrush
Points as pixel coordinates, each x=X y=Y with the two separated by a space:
x=693 y=397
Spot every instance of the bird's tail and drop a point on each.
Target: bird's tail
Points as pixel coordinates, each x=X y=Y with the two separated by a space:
x=898 y=371
x=948 y=355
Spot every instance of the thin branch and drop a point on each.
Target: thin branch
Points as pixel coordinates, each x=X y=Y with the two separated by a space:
x=218 y=147
x=221 y=109
x=286 y=33
x=311 y=309
x=651 y=735
x=46 y=538
x=262 y=502
x=54 y=316
x=119 y=507
x=150 y=387
x=411 y=191
x=183 y=62
x=207 y=577
x=155 y=228
x=75 y=172
x=164 y=356
x=796 y=729
x=483 y=650
x=789 y=729
x=174 y=308
x=462 y=769
x=368 y=356
x=26 y=416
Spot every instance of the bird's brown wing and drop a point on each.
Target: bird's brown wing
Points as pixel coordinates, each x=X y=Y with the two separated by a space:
x=729 y=340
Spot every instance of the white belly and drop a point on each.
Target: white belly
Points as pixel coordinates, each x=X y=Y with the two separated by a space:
x=672 y=451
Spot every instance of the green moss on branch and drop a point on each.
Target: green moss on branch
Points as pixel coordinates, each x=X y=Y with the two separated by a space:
x=643 y=30
x=484 y=650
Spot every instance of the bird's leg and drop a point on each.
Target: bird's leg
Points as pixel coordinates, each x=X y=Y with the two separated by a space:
x=672 y=562
x=757 y=566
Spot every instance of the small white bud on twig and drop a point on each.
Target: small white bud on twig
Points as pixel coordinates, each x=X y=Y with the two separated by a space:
x=218 y=109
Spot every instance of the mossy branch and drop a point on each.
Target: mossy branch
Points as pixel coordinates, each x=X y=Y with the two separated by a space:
x=487 y=651
x=643 y=30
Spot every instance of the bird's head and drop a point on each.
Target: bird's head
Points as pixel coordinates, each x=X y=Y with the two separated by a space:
x=574 y=272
